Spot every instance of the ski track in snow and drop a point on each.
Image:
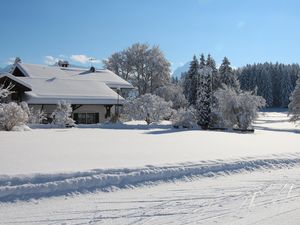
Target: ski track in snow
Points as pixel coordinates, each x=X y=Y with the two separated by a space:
x=47 y=185
x=260 y=197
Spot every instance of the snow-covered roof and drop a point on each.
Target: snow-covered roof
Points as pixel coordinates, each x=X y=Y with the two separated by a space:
x=103 y=75
x=44 y=71
x=75 y=91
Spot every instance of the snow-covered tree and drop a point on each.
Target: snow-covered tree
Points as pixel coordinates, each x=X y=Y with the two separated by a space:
x=237 y=109
x=274 y=82
x=144 y=66
x=294 y=106
x=264 y=85
x=202 y=61
x=148 y=107
x=184 y=118
x=285 y=86
x=227 y=75
x=173 y=93
x=204 y=97
x=11 y=115
x=62 y=114
x=192 y=82
x=210 y=62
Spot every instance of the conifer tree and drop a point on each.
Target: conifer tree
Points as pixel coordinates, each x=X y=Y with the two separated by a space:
x=202 y=62
x=227 y=75
x=215 y=79
x=192 y=83
x=285 y=87
x=264 y=86
x=204 y=97
x=294 y=106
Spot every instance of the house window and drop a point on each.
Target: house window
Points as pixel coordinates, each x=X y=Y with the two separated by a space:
x=90 y=118
x=81 y=118
x=86 y=118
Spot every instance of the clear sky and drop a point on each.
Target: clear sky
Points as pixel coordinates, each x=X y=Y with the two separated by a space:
x=247 y=31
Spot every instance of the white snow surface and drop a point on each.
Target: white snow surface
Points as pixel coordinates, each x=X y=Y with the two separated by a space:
x=49 y=162
x=137 y=174
x=130 y=145
x=260 y=198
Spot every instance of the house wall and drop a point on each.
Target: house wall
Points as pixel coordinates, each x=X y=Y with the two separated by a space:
x=49 y=109
x=93 y=109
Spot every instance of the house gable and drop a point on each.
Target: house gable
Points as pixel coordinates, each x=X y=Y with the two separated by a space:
x=18 y=72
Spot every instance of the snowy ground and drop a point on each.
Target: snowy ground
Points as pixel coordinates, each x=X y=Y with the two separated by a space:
x=233 y=178
x=268 y=197
x=61 y=150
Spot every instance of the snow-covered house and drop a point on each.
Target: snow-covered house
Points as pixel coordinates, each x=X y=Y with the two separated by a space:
x=92 y=93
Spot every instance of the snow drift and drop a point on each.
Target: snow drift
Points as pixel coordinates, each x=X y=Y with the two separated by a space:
x=47 y=185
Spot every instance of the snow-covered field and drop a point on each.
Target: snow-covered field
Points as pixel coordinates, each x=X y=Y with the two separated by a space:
x=56 y=163
x=264 y=197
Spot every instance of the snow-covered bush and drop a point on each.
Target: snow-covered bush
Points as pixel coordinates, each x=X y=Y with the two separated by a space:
x=62 y=114
x=294 y=106
x=184 y=118
x=237 y=109
x=12 y=115
x=35 y=116
x=173 y=93
x=148 y=107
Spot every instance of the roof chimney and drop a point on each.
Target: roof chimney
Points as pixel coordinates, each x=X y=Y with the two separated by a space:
x=93 y=69
x=63 y=63
x=17 y=60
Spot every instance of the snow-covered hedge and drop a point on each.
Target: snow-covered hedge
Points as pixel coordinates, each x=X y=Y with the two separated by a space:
x=148 y=107
x=184 y=118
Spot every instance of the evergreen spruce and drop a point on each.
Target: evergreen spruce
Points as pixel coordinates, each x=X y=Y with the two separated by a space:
x=215 y=78
x=227 y=75
x=294 y=106
x=204 y=97
x=202 y=62
x=192 y=81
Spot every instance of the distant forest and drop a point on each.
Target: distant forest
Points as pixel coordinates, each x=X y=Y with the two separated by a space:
x=274 y=82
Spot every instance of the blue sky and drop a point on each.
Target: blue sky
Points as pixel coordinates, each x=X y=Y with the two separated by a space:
x=246 y=31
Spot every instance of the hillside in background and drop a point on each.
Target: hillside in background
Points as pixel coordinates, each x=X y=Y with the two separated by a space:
x=5 y=69
x=181 y=69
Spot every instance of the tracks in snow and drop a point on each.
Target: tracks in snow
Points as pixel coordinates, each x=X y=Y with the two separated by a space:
x=47 y=185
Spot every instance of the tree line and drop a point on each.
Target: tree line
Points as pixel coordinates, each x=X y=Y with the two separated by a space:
x=199 y=94
x=274 y=82
x=205 y=95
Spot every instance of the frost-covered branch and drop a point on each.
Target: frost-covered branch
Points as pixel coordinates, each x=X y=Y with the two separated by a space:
x=6 y=91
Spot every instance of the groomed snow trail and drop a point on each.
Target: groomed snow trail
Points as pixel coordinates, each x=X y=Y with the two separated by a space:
x=261 y=197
